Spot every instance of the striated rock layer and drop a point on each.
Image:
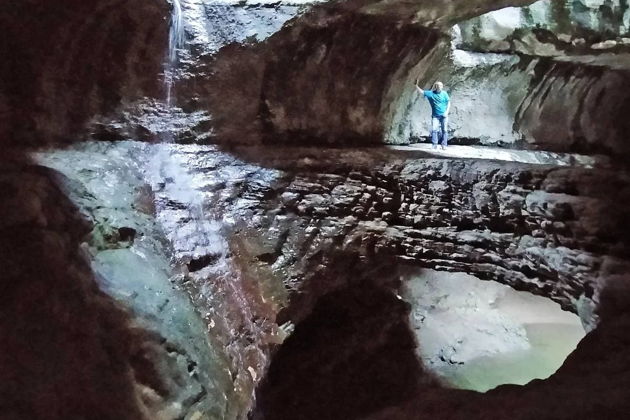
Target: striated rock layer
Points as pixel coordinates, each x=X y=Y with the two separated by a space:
x=315 y=238
x=550 y=28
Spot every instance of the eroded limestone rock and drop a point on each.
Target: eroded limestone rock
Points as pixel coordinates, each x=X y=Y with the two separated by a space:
x=263 y=234
x=548 y=28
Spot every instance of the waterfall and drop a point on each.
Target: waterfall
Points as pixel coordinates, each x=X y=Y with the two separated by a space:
x=173 y=178
x=175 y=42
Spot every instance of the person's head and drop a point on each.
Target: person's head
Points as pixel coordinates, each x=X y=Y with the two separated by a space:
x=437 y=87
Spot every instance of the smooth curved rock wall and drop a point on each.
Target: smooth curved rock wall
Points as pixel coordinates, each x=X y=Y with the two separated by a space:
x=339 y=78
x=577 y=107
x=93 y=326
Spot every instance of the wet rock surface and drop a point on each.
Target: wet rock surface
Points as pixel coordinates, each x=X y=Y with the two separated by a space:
x=152 y=121
x=213 y=24
x=266 y=233
x=435 y=210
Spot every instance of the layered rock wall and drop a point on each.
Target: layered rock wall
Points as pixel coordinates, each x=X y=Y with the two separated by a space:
x=519 y=225
x=288 y=227
x=311 y=215
x=577 y=107
x=288 y=231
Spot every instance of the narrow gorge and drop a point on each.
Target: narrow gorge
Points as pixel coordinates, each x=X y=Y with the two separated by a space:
x=218 y=209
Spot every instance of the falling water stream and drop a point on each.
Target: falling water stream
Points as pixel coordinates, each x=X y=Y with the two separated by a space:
x=175 y=42
x=172 y=179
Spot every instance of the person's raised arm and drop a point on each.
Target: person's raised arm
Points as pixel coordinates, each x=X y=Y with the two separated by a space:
x=420 y=91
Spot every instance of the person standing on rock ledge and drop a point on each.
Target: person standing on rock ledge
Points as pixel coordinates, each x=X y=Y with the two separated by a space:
x=440 y=106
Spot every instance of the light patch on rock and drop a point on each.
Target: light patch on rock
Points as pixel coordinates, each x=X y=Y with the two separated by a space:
x=605 y=45
x=212 y=24
x=500 y=24
x=467 y=59
x=478 y=334
x=529 y=44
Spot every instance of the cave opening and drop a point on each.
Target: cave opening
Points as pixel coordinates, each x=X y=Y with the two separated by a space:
x=353 y=355
x=476 y=334
x=368 y=347
x=506 y=73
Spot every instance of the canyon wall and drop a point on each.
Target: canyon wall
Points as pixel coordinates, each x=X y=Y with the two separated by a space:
x=293 y=237
x=334 y=75
x=291 y=85
x=548 y=27
x=315 y=239
x=271 y=238
x=297 y=87
x=545 y=76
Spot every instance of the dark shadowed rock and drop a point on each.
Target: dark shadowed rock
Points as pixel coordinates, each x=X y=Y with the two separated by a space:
x=70 y=60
